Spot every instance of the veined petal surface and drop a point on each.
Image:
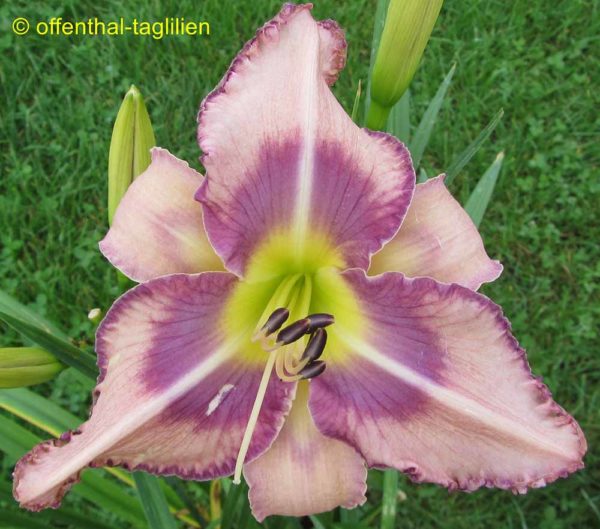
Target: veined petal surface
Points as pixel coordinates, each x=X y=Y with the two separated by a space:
x=158 y=227
x=305 y=472
x=283 y=158
x=174 y=394
x=437 y=239
x=436 y=386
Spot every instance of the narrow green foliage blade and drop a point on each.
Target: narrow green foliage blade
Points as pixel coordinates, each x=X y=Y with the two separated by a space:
x=37 y=410
x=11 y=306
x=153 y=501
x=65 y=351
x=233 y=505
x=398 y=123
x=17 y=520
x=16 y=440
x=464 y=157
x=176 y=487
x=480 y=197
x=390 y=499
x=356 y=105
x=51 y=518
x=423 y=132
x=317 y=522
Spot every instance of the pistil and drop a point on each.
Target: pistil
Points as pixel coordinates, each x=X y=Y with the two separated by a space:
x=260 y=396
x=287 y=354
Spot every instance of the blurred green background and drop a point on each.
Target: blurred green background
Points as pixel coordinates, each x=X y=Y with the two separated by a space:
x=538 y=61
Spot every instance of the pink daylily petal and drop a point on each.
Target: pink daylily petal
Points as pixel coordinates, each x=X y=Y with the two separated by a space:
x=283 y=157
x=437 y=239
x=305 y=472
x=174 y=394
x=436 y=386
x=158 y=228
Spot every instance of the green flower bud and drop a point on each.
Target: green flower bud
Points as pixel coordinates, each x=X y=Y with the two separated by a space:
x=130 y=145
x=408 y=25
x=25 y=366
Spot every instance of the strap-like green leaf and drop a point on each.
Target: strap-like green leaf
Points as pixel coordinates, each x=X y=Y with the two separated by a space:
x=18 y=520
x=390 y=499
x=464 y=157
x=356 y=105
x=316 y=522
x=50 y=518
x=65 y=351
x=10 y=305
x=423 y=132
x=480 y=197
x=398 y=123
x=153 y=501
x=16 y=440
x=50 y=417
x=37 y=410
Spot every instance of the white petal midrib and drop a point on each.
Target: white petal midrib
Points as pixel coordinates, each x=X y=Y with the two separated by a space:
x=309 y=107
x=452 y=399
x=130 y=422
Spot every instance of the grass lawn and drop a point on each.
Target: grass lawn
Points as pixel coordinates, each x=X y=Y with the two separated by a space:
x=59 y=97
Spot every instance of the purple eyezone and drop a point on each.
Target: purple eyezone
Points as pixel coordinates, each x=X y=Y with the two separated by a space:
x=275 y=321
x=316 y=345
x=320 y=320
x=313 y=370
x=293 y=332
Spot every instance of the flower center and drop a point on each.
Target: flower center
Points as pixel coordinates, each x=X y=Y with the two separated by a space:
x=284 y=283
x=293 y=357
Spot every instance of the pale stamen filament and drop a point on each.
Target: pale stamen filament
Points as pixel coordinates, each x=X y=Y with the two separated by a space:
x=286 y=359
x=279 y=368
x=279 y=299
x=292 y=358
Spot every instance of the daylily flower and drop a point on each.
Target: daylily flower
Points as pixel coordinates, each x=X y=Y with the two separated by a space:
x=422 y=373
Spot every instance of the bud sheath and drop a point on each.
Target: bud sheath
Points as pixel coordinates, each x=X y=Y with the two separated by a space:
x=25 y=366
x=408 y=25
x=130 y=145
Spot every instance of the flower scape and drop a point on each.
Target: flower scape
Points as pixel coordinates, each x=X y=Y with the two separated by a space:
x=304 y=312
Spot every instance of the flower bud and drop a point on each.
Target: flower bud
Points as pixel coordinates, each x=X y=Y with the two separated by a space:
x=130 y=145
x=25 y=366
x=408 y=25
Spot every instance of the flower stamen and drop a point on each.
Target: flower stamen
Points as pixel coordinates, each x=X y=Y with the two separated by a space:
x=312 y=370
x=316 y=345
x=291 y=361
x=275 y=321
x=319 y=320
x=293 y=332
x=260 y=395
x=281 y=298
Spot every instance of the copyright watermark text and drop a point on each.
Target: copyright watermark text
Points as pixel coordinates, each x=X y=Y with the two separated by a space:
x=56 y=26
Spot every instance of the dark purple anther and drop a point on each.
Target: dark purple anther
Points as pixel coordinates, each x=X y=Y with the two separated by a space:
x=319 y=320
x=313 y=370
x=275 y=321
x=292 y=332
x=315 y=346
